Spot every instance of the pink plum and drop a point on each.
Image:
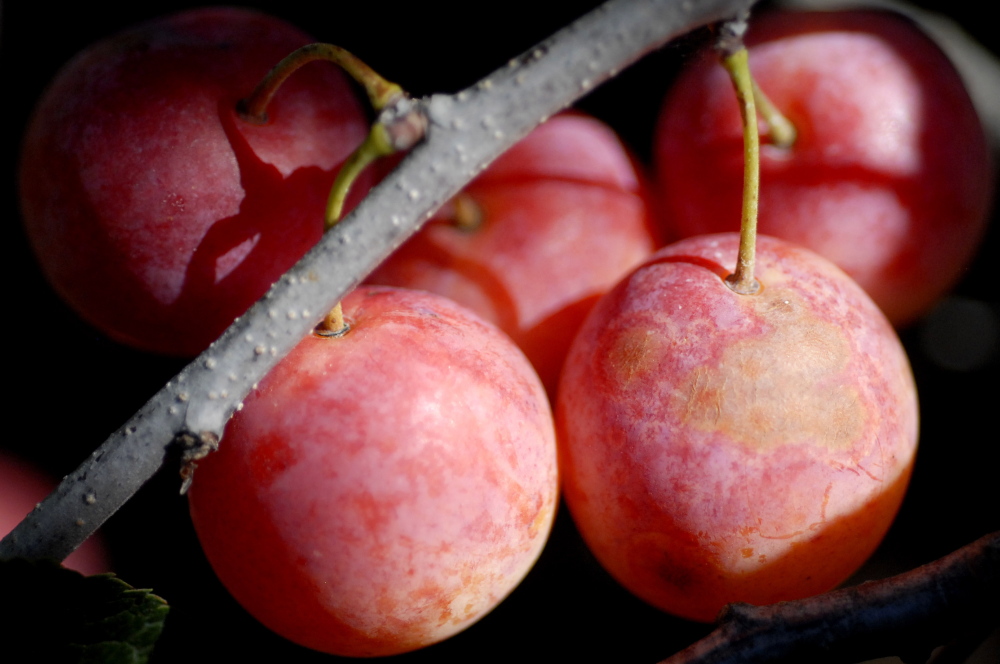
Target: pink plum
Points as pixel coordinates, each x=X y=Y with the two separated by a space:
x=719 y=447
x=383 y=490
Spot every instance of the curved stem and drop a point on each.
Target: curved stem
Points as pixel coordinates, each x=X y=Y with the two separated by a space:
x=742 y=280
x=780 y=129
x=380 y=91
x=377 y=144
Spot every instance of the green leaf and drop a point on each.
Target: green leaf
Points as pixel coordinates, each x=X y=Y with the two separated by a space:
x=51 y=614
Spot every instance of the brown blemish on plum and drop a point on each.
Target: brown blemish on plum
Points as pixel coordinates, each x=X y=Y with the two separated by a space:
x=634 y=353
x=674 y=559
x=781 y=386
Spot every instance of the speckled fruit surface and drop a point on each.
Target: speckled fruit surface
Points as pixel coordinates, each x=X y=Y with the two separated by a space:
x=719 y=447
x=384 y=490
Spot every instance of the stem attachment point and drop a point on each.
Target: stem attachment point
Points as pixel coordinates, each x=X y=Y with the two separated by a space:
x=334 y=324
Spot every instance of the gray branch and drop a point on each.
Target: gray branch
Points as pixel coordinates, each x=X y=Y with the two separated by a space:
x=466 y=132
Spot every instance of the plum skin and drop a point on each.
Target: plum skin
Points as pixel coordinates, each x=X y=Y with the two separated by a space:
x=22 y=487
x=382 y=491
x=565 y=214
x=155 y=212
x=718 y=447
x=890 y=176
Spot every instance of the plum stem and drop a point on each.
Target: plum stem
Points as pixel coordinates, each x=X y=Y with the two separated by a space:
x=467 y=214
x=377 y=144
x=380 y=92
x=333 y=324
x=780 y=129
x=742 y=280
x=398 y=130
x=462 y=212
x=380 y=142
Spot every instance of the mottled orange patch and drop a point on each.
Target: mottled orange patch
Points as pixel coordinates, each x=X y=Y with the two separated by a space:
x=784 y=385
x=432 y=597
x=634 y=353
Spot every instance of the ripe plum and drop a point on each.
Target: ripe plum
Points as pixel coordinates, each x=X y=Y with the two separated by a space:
x=383 y=490
x=719 y=447
x=155 y=211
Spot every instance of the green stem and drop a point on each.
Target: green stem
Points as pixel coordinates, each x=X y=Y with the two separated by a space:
x=380 y=91
x=742 y=280
x=779 y=128
x=377 y=144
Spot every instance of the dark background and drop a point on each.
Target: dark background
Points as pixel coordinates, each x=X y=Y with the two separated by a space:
x=72 y=387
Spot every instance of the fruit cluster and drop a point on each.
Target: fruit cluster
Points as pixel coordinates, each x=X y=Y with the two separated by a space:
x=386 y=487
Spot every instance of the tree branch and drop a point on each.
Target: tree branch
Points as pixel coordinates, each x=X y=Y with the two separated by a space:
x=923 y=608
x=467 y=131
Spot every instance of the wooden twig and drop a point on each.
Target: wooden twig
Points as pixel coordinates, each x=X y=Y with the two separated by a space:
x=907 y=615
